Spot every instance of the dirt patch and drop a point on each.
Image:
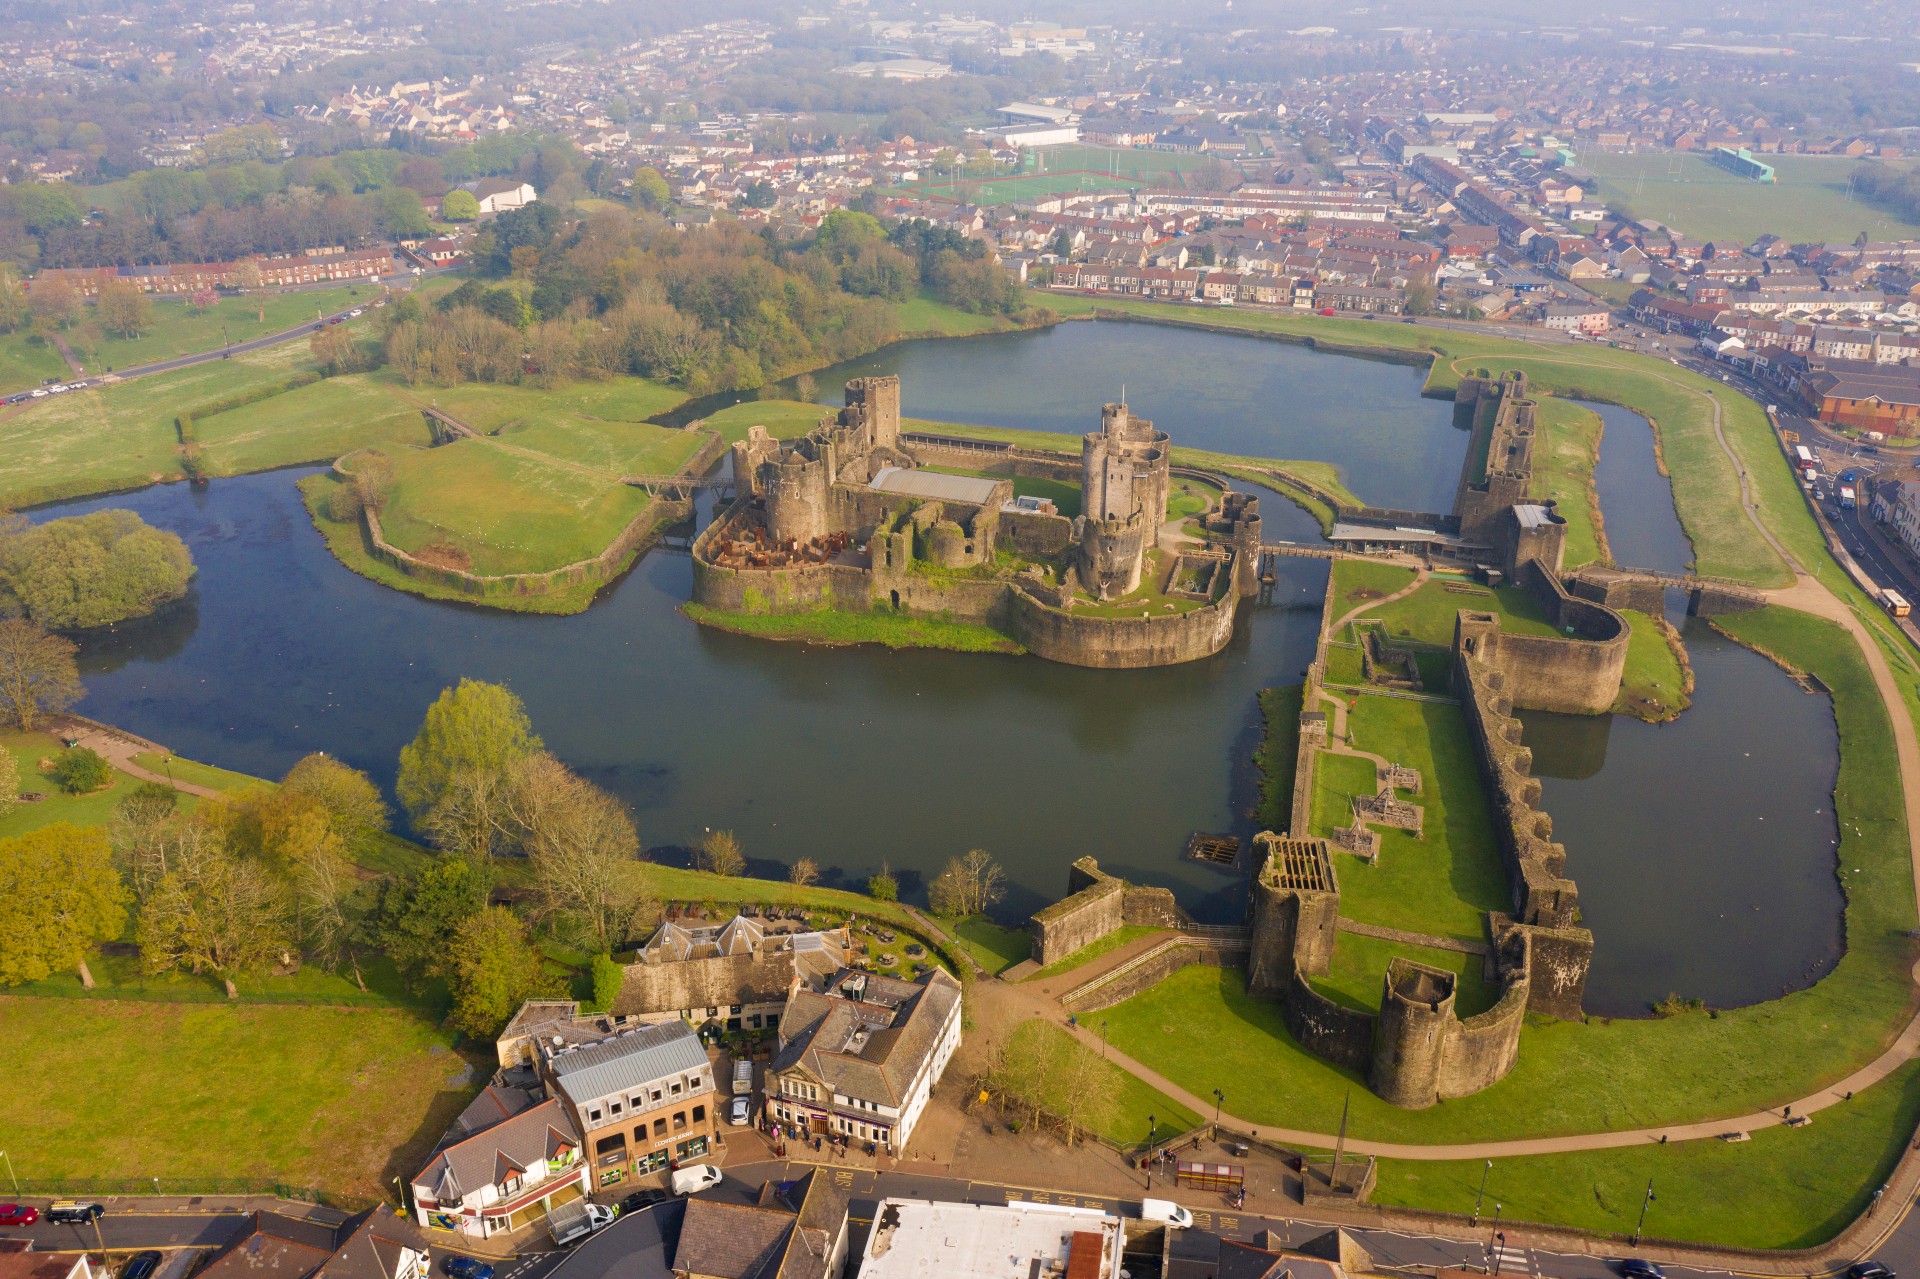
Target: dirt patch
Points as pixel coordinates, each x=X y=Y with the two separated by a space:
x=1361 y=594
x=445 y=555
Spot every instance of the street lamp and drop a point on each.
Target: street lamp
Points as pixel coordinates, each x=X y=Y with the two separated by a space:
x=1219 y=1100
x=1494 y=1242
x=1481 y=1198
x=1641 y=1224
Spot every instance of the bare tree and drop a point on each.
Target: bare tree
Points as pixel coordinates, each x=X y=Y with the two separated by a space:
x=720 y=853
x=472 y=815
x=583 y=849
x=327 y=892
x=37 y=673
x=969 y=884
x=805 y=873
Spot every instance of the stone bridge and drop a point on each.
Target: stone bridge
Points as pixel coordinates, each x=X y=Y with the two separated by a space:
x=1644 y=590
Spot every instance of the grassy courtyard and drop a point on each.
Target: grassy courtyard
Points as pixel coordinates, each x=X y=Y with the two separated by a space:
x=1566 y=446
x=1359 y=969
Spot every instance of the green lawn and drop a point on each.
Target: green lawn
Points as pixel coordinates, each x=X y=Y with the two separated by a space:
x=1130 y=1103
x=1064 y=496
x=1280 y=715
x=1566 y=446
x=1809 y=202
x=177 y=329
x=1785 y=1188
x=1427 y=615
x=496 y=407
x=1359 y=970
x=315 y=423
x=836 y=626
x=1443 y=882
x=1653 y=687
x=1608 y=1074
x=509 y=511
x=994 y=947
x=924 y=314
x=784 y=419
x=337 y=1098
x=1357 y=581
x=95 y=809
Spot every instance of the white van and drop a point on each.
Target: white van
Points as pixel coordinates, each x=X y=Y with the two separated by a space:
x=694 y=1178
x=1166 y=1212
x=742 y=1078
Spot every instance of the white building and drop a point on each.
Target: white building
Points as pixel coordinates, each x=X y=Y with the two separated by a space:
x=503 y=1177
x=1897 y=506
x=861 y=1058
x=495 y=195
x=912 y=1239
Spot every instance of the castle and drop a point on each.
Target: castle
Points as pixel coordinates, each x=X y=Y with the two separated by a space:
x=854 y=516
x=1417 y=1049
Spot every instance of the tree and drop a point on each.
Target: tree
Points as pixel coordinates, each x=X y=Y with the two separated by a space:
x=583 y=850
x=650 y=189
x=608 y=978
x=416 y=920
x=123 y=308
x=144 y=828
x=401 y=214
x=59 y=894
x=37 y=673
x=54 y=301
x=805 y=873
x=350 y=799
x=458 y=763
x=92 y=570
x=1419 y=297
x=493 y=969
x=212 y=913
x=328 y=906
x=248 y=278
x=81 y=771
x=9 y=782
x=968 y=885
x=14 y=309
x=883 y=887
x=459 y=206
x=720 y=853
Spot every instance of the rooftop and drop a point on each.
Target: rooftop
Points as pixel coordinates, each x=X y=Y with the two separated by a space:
x=974 y=489
x=628 y=1060
x=914 y=1239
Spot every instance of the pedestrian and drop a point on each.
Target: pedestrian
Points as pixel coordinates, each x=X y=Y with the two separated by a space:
x=1787 y=1113
x=1849 y=1096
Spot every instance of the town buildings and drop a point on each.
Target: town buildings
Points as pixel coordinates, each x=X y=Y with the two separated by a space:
x=641 y=1098
x=505 y=1176
x=860 y=1059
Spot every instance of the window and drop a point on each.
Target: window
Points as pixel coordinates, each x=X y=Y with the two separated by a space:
x=674 y=1087
x=655 y=1094
x=679 y=1120
x=699 y=1114
x=512 y=1184
x=615 y=1108
x=659 y=1129
x=593 y=1114
x=734 y=1010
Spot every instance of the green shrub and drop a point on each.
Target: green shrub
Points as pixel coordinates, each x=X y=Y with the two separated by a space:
x=883 y=887
x=607 y=979
x=92 y=570
x=82 y=770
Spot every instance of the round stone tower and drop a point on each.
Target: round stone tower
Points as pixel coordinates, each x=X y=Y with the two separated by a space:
x=1111 y=553
x=1410 y=1039
x=796 y=489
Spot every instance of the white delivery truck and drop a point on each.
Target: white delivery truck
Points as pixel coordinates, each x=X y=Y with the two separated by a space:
x=1166 y=1212
x=694 y=1178
x=570 y=1223
x=742 y=1078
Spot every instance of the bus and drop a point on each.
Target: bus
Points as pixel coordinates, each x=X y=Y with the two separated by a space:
x=1895 y=603
x=1803 y=457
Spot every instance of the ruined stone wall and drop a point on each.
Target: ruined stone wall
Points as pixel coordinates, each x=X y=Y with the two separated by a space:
x=1035 y=535
x=1577 y=676
x=1014 y=463
x=1095 y=907
x=1333 y=1032
x=1151 y=972
x=1143 y=907
x=1636 y=593
x=1120 y=642
x=1557 y=961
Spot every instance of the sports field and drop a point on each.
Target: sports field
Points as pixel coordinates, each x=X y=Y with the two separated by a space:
x=1810 y=202
x=1066 y=169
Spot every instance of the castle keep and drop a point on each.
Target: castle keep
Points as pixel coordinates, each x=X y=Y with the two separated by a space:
x=852 y=516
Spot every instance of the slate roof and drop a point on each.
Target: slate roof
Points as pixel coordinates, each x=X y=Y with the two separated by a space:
x=512 y=1145
x=373 y=1250
x=626 y=1061
x=689 y=969
x=273 y=1246
x=870 y=1047
x=496 y=1103
x=732 y=1241
x=972 y=489
x=1895 y=386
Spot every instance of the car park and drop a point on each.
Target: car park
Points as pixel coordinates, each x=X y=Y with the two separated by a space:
x=460 y=1267
x=18 y=1214
x=141 y=1265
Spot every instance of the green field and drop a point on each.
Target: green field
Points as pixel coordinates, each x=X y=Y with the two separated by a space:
x=177 y=329
x=1696 y=197
x=1067 y=169
x=333 y=1097
x=1357 y=975
x=1565 y=450
x=1129 y=1103
x=1653 y=686
x=994 y=947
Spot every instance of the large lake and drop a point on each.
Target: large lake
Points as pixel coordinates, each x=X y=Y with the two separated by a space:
x=858 y=757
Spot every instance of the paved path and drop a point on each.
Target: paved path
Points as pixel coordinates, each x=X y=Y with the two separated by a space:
x=119 y=750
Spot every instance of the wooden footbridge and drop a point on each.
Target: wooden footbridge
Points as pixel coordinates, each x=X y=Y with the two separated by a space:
x=677 y=487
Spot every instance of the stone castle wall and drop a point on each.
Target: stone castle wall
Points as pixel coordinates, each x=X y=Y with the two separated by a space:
x=1119 y=643
x=1098 y=904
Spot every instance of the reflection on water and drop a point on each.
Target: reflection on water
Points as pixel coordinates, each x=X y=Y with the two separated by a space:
x=1704 y=849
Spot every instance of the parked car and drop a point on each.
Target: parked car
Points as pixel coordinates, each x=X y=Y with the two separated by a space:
x=74 y=1212
x=18 y=1214
x=741 y=1112
x=467 y=1268
x=694 y=1178
x=1641 y=1268
x=1868 y=1270
x=141 y=1265
x=355 y=312
x=643 y=1199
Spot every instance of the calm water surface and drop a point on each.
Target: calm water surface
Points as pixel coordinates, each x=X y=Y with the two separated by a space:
x=855 y=757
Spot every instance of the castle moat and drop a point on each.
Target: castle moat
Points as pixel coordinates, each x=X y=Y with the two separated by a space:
x=857 y=756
